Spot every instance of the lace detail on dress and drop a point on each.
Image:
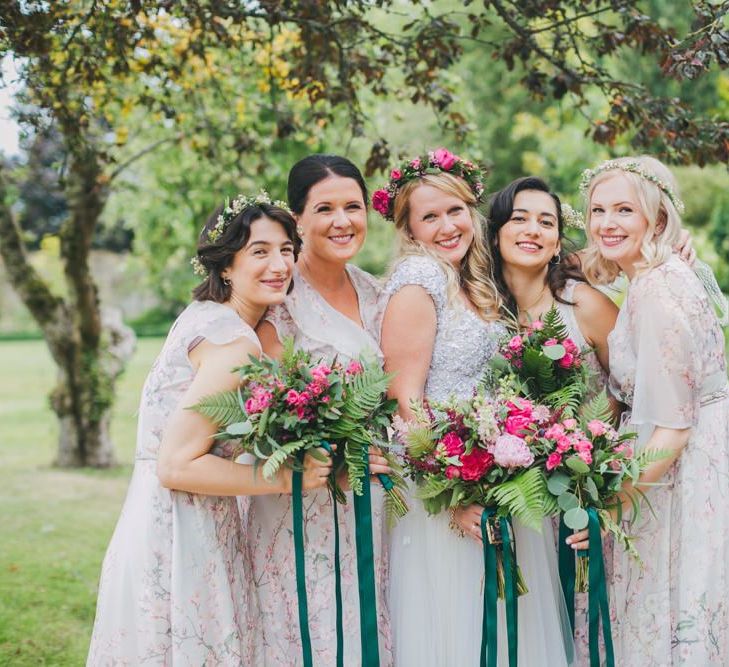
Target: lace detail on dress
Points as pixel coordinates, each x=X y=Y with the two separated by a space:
x=422 y=271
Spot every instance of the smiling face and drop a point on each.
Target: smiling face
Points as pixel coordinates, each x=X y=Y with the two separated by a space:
x=617 y=224
x=334 y=220
x=261 y=270
x=442 y=222
x=530 y=238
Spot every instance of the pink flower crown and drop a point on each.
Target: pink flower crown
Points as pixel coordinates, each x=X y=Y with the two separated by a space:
x=434 y=162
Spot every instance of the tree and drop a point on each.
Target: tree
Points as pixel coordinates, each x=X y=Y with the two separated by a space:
x=233 y=82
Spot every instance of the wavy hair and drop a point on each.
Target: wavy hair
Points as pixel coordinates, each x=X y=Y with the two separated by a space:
x=475 y=275
x=664 y=221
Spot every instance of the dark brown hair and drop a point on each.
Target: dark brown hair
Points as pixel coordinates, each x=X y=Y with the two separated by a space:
x=500 y=209
x=217 y=256
x=312 y=169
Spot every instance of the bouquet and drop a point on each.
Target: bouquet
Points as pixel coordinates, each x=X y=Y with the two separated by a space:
x=480 y=450
x=285 y=408
x=547 y=363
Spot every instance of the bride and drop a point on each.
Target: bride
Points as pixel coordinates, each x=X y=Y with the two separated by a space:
x=439 y=330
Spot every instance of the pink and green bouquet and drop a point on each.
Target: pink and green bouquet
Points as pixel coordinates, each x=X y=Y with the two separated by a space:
x=547 y=363
x=282 y=409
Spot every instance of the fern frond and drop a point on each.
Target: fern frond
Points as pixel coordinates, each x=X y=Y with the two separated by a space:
x=568 y=398
x=420 y=441
x=598 y=408
x=432 y=488
x=538 y=371
x=554 y=327
x=278 y=458
x=222 y=408
x=525 y=497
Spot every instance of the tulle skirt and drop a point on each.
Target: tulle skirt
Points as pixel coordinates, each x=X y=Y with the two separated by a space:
x=436 y=596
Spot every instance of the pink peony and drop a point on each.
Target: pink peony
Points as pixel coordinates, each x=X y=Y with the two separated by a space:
x=354 y=367
x=520 y=407
x=510 y=451
x=395 y=175
x=516 y=344
x=381 y=201
x=566 y=361
x=444 y=159
x=517 y=424
x=452 y=444
x=452 y=472
x=476 y=464
x=553 y=460
x=597 y=427
x=570 y=346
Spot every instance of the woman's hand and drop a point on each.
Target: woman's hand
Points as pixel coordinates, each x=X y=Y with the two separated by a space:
x=378 y=463
x=317 y=471
x=468 y=519
x=579 y=541
x=685 y=248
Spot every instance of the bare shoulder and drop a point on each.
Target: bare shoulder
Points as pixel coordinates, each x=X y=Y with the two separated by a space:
x=591 y=302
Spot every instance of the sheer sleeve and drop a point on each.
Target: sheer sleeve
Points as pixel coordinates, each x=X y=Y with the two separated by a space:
x=219 y=325
x=667 y=346
x=280 y=317
x=424 y=272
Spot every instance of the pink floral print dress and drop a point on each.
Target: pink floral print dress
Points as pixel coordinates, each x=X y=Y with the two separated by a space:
x=667 y=364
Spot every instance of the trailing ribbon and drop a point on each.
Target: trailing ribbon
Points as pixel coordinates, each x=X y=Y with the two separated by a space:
x=489 y=639
x=597 y=590
x=369 y=635
x=298 y=521
x=337 y=569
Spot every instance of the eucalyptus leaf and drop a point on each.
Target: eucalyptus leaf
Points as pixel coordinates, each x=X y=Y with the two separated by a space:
x=239 y=428
x=568 y=501
x=591 y=488
x=576 y=518
x=554 y=352
x=577 y=464
x=558 y=483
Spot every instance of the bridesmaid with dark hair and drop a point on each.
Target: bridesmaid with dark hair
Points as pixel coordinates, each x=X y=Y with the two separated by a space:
x=331 y=312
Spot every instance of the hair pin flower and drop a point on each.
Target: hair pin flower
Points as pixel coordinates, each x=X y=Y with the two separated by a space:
x=440 y=160
x=634 y=167
x=572 y=217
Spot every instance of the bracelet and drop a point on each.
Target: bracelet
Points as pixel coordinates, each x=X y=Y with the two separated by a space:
x=453 y=524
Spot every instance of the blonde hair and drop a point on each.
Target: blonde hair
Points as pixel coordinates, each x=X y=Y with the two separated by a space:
x=476 y=274
x=664 y=220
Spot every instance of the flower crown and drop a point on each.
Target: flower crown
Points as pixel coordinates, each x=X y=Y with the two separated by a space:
x=434 y=162
x=634 y=167
x=231 y=210
x=572 y=218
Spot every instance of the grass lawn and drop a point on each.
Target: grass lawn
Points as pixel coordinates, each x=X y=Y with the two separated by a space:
x=55 y=524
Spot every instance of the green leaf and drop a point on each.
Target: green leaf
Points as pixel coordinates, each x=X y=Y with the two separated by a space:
x=577 y=464
x=598 y=408
x=558 y=483
x=554 y=352
x=576 y=518
x=221 y=408
x=524 y=497
x=568 y=501
x=591 y=488
x=239 y=428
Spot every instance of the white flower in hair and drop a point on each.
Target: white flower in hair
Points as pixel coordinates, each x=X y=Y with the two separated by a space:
x=572 y=217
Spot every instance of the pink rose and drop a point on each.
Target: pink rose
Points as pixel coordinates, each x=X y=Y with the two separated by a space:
x=597 y=427
x=566 y=361
x=321 y=372
x=563 y=444
x=292 y=397
x=515 y=344
x=550 y=341
x=625 y=450
x=381 y=201
x=554 y=431
x=585 y=456
x=453 y=444
x=583 y=446
x=570 y=346
x=517 y=424
x=395 y=175
x=476 y=464
x=569 y=423
x=511 y=452
x=553 y=460
x=452 y=472
x=325 y=399
x=444 y=159
x=520 y=407
x=415 y=163
x=537 y=325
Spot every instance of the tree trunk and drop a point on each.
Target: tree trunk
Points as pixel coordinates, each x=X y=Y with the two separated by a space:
x=89 y=347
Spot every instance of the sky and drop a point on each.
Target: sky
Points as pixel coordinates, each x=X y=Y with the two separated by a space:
x=9 y=131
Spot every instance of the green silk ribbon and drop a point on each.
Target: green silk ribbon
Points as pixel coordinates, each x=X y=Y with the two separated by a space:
x=369 y=635
x=298 y=521
x=598 y=607
x=489 y=639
